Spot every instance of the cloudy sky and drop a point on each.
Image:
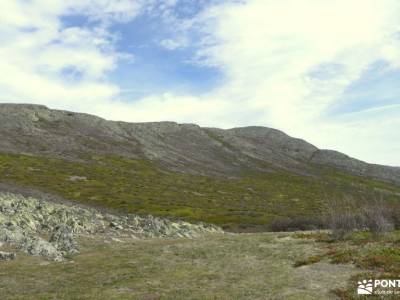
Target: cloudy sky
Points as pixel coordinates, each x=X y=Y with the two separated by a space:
x=327 y=71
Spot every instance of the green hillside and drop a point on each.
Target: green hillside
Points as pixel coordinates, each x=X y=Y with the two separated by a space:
x=141 y=186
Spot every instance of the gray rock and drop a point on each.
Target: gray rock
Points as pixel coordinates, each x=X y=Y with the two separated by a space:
x=36 y=246
x=24 y=222
x=190 y=148
x=116 y=226
x=64 y=240
x=343 y=162
x=7 y=255
x=77 y=178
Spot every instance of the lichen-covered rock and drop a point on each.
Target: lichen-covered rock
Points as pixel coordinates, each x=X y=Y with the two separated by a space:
x=116 y=226
x=7 y=255
x=25 y=222
x=38 y=247
x=64 y=240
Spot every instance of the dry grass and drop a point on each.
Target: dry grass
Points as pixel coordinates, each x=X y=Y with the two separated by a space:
x=246 y=266
x=376 y=255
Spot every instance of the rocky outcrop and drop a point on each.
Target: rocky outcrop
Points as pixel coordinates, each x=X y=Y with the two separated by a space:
x=47 y=229
x=7 y=256
x=343 y=162
x=34 y=129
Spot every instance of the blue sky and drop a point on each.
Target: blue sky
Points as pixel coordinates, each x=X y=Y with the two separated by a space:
x=378 y=86
x=154 y=68
x=324 y=71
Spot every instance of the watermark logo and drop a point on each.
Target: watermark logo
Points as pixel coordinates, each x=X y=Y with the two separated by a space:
x=365 y=287
x=378 y=287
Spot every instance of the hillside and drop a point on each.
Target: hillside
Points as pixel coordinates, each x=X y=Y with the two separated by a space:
x=36 y=129
x=239 y=178
x=65 y=251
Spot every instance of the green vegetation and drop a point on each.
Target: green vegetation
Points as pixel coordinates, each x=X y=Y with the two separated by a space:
x=377 y=255
x=309 y=261
x=140 y=186
x=245 y=266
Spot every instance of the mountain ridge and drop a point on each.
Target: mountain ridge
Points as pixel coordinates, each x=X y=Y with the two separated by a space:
x=242 y=179
x=38 y=130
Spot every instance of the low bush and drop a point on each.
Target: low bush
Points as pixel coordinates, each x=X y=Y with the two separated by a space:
x=296 y=224
x=308 y=261
x=395 y=217
x=346 y=215
x=377 y=217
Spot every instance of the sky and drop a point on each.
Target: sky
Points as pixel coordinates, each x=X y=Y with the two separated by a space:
x=327 y=71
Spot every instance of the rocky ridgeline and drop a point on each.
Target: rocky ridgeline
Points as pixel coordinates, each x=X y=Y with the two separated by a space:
x=47 y=229
x=37 y=130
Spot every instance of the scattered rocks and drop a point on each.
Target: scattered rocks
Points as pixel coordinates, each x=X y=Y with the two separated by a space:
x=116 y=226
x=26 y=222
x=77 y=178
x=7 y=255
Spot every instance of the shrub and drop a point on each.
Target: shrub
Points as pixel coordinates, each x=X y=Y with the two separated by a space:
x=343 y=223
x=308 y=261
x=377 y=217
x=394 y=215
x=346 y=215
x=296 y=224
x=341 y=217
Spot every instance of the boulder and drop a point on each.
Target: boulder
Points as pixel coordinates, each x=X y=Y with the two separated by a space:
x=7 y=256
x=63 y=239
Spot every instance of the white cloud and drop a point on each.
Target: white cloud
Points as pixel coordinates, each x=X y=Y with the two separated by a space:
x=285 y=64
x=45 y=62
x=269 y=50
x=173 y=44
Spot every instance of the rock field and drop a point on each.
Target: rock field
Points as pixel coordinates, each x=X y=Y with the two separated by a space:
x=43 y=228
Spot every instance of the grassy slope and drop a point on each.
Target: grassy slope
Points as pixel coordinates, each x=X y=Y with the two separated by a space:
x=246 y=266
x=142 y=187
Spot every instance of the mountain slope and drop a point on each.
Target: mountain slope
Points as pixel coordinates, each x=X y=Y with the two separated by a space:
x=35 y=129
x=236 y=177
